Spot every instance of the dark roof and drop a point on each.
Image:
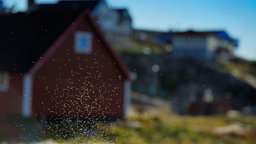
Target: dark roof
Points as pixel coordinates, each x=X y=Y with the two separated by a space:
x=25 y=37
x=221 y=34
x=149 y=32
x=68 y=4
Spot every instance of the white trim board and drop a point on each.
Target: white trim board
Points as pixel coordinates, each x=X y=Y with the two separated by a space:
x=127 y=91
x=27 y=94
x=5 y=85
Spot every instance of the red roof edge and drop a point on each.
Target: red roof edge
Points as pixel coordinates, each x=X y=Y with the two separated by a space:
x=110 y=49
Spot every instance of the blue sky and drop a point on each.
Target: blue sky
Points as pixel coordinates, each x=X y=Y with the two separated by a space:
x=237 y=17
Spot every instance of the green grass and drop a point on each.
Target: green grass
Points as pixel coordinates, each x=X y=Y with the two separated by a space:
x=243 y=66
x=167 y=129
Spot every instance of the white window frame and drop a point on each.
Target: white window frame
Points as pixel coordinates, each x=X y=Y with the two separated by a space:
x=85 y=49
x=4 y=85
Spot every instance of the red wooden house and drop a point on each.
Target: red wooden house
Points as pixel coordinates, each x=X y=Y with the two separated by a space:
x=58 y=63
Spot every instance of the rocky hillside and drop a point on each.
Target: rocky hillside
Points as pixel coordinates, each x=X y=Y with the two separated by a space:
x=188 y=81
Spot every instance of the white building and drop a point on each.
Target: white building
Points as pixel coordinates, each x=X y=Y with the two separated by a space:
x=205 y=45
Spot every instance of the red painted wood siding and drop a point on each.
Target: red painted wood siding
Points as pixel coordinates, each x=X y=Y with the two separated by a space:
x=11 y=100
x=79 y=84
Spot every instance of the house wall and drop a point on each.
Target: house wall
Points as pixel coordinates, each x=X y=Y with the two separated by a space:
x=11 y=100
x=224 y=43
x=215 y=44
x=212 y=43
x=190 y=46
x=70 y=83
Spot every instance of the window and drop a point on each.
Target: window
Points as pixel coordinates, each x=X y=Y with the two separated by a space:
x=4 y=81
x=83 y=42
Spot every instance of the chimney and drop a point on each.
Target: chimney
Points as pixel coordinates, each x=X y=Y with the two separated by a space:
x=31 y=4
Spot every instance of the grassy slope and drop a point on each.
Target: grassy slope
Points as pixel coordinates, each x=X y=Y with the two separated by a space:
x=246 y=67
x=241 y=69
